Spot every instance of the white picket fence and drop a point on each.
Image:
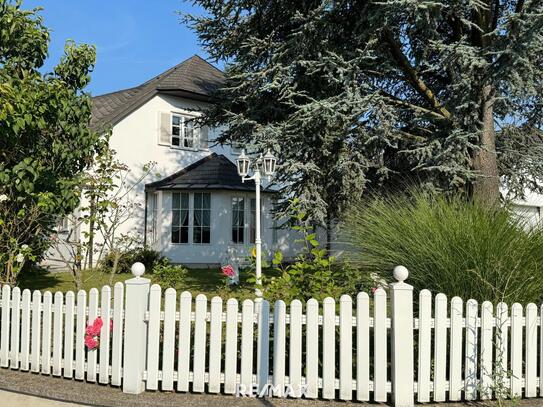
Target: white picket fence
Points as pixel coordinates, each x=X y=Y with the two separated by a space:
x=369 y=350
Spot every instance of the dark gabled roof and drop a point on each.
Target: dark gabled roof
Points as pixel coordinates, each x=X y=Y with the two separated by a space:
x=193 y=78
x=212 y=172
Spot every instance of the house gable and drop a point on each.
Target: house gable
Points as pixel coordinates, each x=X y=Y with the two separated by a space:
x=193 y=79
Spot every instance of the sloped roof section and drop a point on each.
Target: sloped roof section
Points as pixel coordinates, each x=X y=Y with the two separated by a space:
x=193 y=78
x=212 y=172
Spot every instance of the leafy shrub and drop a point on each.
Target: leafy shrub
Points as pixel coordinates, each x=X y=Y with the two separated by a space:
x=149 y=257
x=449 y=246
x=313 y=274
x=170 y=275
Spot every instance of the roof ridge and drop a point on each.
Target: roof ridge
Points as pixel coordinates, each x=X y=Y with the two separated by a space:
x=168 y=71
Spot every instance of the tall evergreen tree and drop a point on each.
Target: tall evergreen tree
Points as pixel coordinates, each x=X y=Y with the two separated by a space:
x=357 y=94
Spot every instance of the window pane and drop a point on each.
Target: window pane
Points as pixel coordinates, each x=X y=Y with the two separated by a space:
x=176 y=120
x=185 y=217
x=197 y=233
x=206 y=201
x=206 y=221
x=175 y=235
x=176 y=218
x=184 y=235
x=175 y=141
x=175 y=200
x=175 y=131
x=185 y=201
x=197 y=218
x=197 y=201
x=238 y=219
x=206 y=235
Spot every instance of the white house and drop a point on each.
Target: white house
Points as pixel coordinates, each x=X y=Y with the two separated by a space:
x=195 y=208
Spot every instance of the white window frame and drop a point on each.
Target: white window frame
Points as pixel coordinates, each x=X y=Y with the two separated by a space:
x=192 y=226
x=185 y=120
x=239 y=198
x=180 y=226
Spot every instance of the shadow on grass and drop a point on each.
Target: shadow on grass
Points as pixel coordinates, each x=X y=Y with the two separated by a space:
x=41 y=280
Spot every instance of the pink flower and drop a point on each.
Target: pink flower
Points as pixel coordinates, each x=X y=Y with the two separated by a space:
x=228 y=271
x=91 y=342
x=111 y=325
x=98 y=322
x=95 y=327
x=373 y=290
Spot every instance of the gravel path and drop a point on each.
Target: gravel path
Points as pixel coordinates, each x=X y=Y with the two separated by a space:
x=19 y=389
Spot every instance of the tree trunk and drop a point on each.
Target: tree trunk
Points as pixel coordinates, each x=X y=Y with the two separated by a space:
x=486 y=188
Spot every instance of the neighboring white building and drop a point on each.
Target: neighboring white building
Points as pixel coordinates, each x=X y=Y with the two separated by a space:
x=194 y=207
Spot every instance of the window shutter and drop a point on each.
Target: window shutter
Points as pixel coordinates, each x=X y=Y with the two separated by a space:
x=165 y=129
x=203 y=137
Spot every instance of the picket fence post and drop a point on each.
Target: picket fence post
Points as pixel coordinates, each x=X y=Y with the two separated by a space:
x=402 y=340
x=135 y=331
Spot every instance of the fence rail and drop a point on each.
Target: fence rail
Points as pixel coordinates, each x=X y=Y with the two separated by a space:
x=366 y=349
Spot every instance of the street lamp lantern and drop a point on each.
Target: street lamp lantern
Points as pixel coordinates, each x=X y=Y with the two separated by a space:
x=243 y=164
x=269 y=164
x=266 y=164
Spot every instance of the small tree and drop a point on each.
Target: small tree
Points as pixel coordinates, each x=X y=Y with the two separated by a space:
x=45 y=141
x=108 y=203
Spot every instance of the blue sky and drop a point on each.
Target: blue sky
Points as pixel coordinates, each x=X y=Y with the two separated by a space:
x=135 y=39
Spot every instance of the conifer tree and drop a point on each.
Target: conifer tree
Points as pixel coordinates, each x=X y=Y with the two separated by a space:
x=379 y=94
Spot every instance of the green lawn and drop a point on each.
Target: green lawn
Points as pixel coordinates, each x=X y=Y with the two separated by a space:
x=206 y=281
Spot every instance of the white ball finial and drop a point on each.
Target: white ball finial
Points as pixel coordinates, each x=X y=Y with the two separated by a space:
x=138 y=269
x=401 y=273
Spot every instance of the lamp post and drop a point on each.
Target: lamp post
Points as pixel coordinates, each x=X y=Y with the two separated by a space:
x=263 y=165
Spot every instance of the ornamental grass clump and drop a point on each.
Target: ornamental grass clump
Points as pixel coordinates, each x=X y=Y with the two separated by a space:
x=449 y=246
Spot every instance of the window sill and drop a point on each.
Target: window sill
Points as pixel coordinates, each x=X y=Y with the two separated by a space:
x=194 y=149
